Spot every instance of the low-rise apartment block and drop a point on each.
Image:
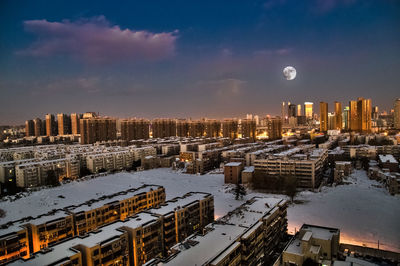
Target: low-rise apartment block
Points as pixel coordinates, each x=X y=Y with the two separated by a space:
x=305 y=164
x=29 y=235
x=248 y=235
x=33 y=174
x=134 y=240
x=316 y=243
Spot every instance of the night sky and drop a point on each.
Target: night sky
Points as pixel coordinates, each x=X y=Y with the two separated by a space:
x=194 y=58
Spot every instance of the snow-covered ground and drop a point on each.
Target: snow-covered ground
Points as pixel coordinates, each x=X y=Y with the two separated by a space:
x=363 y=212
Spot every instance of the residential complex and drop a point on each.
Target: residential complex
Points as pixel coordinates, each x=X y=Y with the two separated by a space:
x=249 y=235
x=305 y=163
x=28 y=235
x=130 y=239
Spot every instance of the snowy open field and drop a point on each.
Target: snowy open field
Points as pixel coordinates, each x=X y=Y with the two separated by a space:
x=364 y=213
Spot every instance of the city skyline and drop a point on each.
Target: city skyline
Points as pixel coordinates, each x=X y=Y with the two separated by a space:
x=149 y=61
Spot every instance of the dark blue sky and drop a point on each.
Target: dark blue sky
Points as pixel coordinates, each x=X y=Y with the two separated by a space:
x=194 y=58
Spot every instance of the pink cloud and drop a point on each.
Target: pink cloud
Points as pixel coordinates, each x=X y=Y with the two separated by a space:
x=95 y=40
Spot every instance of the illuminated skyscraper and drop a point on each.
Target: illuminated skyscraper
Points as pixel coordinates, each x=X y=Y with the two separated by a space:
x=353 y=116
x=29 y=128
x=283 y=111
x=346 y=112
x=360 y=115
x=308 y=110
x=364 y=110
x=51 y=125
x=64 y=124
x=397 y=114
x=323 y=116
x=292 y=110
x=331 y=121
x=299 y=110
x=75 y=123
x=375 y=113
x=39 y=127
x=338 y=115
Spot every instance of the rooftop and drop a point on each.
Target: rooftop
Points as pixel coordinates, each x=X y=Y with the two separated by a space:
x=179 y=202
x=233 y=164
x=220 y=239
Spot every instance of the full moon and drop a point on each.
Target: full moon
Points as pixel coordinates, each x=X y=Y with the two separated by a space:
x=289 y=73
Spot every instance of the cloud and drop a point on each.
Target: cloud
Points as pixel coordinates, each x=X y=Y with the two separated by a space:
x=273 y=3
x=324 y=6
x=95 y=40
x=318 y=6
x=226 y=52
x=268 y=52
x=224 y=87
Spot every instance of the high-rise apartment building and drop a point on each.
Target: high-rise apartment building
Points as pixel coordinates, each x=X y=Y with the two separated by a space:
x=360 y=115
x=375 y=113
x=75 y=123
x=323 y=116
x=331 y=121
x=29 y=128
x=230 y=128
x=182 y=128
x=274 y=128
x=135 y=129
x=51 y=125
x=196 y=128
x=162 y=128
x=39 y=127
x=97 y=129
x=338 y=116
x=64 y=124
x=248 y=128
x=353 y=116
x=212 y=128
x=292 y=110
x=283 y=111
x=397 y=114
x=364 y=110
x=308 y=110
x=346 y=117
x=299 y=110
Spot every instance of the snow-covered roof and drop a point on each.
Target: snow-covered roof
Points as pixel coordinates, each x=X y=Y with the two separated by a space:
x=233 y=164
x=40 y=217
x=319 y=232
x=113 y=198
x=54 y=254
x=248 y=169
x=388 y=158
x=209 y=246
x=179 y=202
